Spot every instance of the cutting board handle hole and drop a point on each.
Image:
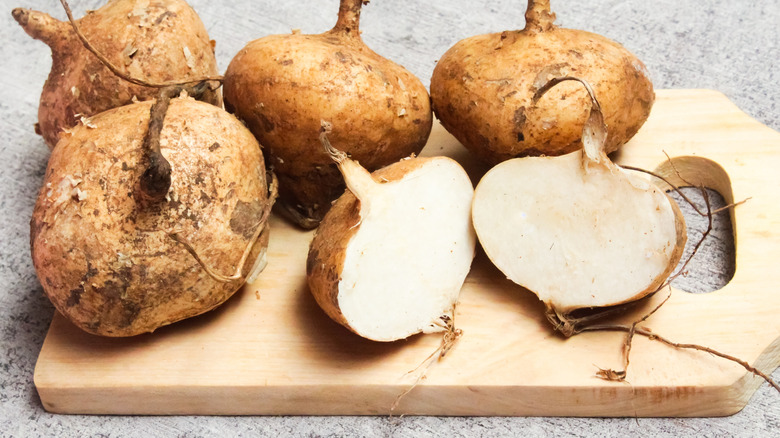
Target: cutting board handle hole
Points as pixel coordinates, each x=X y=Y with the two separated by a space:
x=714 y=264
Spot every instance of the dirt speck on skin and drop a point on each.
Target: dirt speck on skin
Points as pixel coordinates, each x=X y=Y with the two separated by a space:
x=75 y=296
x=519 y=121
x=244 y=218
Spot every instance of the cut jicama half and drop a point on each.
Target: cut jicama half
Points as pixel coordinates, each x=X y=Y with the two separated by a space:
x=577 y=230
x=390 y=257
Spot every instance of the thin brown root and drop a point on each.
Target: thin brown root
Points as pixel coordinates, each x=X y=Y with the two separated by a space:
x=335 y=154
x=680 y=192
x=569 y=325
x=448 y=341
x=621 y=374
x=261 y=225
x=698 y=245
x=676 y=171
x=654 y=337
x=611 y=375
x=115 y=70
x=156 y=179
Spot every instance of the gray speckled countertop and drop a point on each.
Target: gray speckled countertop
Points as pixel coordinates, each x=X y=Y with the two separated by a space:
x=733 y=47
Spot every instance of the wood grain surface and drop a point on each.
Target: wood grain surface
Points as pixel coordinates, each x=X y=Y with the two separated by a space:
x=271 y=350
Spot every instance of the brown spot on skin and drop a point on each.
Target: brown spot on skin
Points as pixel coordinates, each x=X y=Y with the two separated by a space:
x=286 y=62
x=174 y=204
x=214 y=146
x=244 y=218
x=341 y=57
x=75 y=296
x=519 y=120
x=91 y=272
x=163 y=16
x=416 y=121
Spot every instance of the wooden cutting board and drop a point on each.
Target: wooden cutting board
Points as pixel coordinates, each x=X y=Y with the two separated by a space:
x=271 y=350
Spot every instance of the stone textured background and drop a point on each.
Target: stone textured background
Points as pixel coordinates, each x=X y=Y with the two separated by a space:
x=733 y=47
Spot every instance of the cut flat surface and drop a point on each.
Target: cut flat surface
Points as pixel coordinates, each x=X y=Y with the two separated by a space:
x=578 y=235
x=405 y=265
x=270 y=350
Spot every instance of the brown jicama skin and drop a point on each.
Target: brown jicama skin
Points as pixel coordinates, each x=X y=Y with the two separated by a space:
x=283 y=86
x=482 y=89
x=159 y=41
x=117 y=262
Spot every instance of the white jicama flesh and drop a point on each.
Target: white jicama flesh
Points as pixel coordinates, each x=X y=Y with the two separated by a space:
x=390 y=257
x=577 y=230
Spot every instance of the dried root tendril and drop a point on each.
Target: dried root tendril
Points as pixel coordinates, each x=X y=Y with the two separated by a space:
x=682 y=194
x=569 y=326
x=261 y=226
x=336 y=155
x=115 y=70
x=449 y=339
x=646 y=332
x=156 y=179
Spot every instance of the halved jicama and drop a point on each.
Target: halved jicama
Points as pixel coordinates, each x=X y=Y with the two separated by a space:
x=577 y=230
x=390 y=257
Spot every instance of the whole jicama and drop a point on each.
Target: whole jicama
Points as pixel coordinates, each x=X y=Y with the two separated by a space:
x=483 y=87
x=159 y=41
x=123 y=246
x=282 y=86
